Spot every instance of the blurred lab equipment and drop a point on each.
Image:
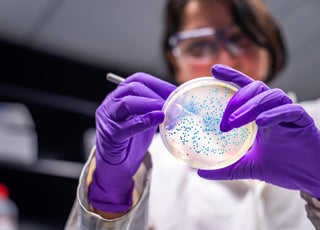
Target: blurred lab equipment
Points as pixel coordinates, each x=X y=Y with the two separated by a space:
x=8 y=210
x=18 y=137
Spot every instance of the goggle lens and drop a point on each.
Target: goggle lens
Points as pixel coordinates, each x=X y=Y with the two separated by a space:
x=198 y=47
x=204 y=42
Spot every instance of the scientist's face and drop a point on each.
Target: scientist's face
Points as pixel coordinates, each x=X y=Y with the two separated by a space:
x=194 y=55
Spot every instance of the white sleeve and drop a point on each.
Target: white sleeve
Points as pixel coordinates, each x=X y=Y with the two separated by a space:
x=313 y=109
x=136 y=218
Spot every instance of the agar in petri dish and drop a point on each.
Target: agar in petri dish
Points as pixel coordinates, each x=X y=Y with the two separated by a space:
x=191 y=127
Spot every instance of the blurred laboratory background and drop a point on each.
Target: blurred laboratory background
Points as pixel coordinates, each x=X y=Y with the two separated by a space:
x=54 y=55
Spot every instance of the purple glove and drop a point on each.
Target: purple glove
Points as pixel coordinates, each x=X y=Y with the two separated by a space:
x=125 y=122
x=286 y=151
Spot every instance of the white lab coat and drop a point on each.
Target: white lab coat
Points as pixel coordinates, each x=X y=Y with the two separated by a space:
x=180 y=199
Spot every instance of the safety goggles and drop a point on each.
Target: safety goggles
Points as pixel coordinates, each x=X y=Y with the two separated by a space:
x=204 y=42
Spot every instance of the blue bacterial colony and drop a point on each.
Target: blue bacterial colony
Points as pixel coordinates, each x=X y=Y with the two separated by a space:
x=191 y=129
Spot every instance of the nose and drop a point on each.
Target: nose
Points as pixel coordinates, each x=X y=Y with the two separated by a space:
x=225 y=57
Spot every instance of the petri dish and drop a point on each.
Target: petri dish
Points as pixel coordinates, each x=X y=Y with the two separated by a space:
x=191 y=127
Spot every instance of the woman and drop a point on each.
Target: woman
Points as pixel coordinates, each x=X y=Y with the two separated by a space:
x=116 y=182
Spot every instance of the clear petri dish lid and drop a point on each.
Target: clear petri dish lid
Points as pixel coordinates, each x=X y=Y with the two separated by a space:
x=191 y=127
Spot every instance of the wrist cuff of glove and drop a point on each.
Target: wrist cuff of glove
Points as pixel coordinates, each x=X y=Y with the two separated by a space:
x=110 y=198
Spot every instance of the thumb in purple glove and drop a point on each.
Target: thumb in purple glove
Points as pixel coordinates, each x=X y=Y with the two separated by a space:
x=286 y=151
x=125 y=124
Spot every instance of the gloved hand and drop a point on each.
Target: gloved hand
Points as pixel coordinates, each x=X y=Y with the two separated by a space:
x=286 y=150
x=125 y=124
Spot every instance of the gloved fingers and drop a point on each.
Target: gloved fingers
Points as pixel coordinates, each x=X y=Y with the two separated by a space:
x=161 y=87
x=289 y=113
x=130 y=105
x=262 y=102
x=137 y=124
x=241 y=169
x=133 y=88
x=228 y=74
x=241 y=97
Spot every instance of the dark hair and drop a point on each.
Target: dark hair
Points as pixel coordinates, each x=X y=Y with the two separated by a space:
x=253 y=18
